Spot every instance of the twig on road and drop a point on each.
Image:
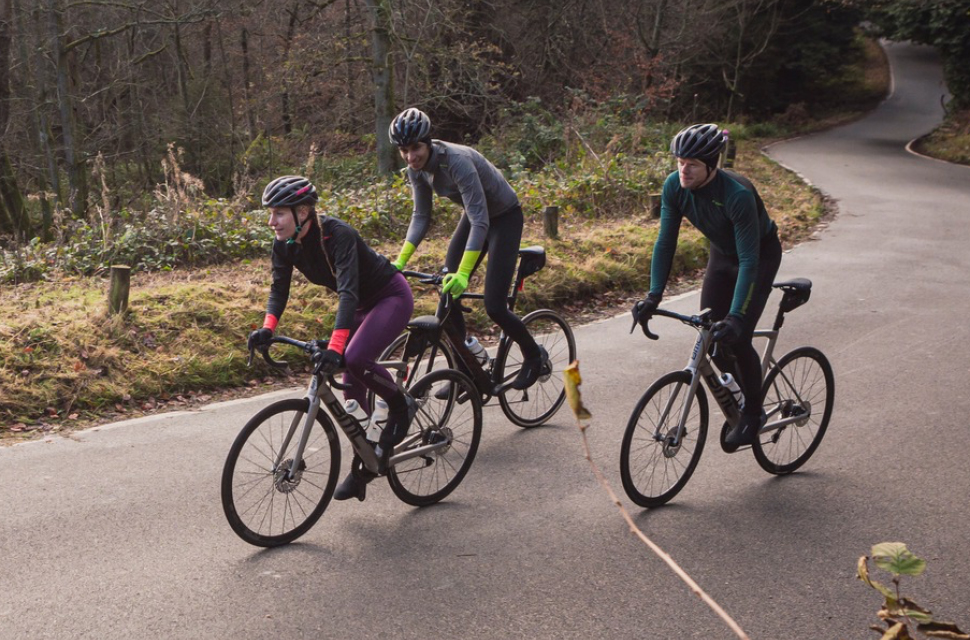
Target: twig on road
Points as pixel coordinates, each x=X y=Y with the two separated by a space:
x=571 y=382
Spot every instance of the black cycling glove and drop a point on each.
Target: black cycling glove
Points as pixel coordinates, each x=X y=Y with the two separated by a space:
x=327 y=361
x=728 y=331
x=643 y=310
x=259 y=338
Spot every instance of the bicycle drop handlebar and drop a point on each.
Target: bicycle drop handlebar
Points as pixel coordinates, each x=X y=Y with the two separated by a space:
x=424 y=278
x=698 y=321
x=307 y=347
x=436 y=279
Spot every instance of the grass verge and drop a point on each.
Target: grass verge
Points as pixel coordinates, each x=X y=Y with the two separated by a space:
x=67 y=362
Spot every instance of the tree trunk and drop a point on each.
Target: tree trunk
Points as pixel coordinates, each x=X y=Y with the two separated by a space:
x=285 y=107
x=12 y=201
x=230 y=102
x=250 y=116
x=351 y=94
x=380 y=11
x=76 y=176
x=13 y=212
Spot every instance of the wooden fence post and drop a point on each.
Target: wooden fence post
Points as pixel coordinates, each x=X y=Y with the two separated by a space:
x=120 y=284
x=655 y=205
x=550 y=222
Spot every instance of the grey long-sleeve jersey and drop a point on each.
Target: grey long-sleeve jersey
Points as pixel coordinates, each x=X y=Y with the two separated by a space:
x=465 y=177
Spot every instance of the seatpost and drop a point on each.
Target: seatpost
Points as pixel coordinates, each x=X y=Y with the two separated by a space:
x=779 y=320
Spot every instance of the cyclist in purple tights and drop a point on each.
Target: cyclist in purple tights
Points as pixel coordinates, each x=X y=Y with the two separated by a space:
x=374 y=305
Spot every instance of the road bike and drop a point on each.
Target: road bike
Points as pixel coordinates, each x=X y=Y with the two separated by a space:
x=433 y=342
x=282 y=469
x=667 y=430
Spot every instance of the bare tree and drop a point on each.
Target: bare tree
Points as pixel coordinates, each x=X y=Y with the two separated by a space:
x=13 y=213
x=382 y=72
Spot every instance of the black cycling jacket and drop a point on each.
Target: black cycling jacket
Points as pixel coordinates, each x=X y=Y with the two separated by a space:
x=342 y=262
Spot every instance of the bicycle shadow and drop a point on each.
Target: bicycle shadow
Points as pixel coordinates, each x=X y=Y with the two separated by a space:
x=771 y=496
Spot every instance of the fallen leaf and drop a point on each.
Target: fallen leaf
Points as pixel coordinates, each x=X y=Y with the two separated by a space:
x=571 y=381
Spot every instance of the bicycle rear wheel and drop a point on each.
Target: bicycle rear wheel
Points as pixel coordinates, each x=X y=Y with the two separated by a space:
x=537 y=404
x=654 y=465
x=801 y=384
x=449 y=414
x=263 y=503
x=419 y=366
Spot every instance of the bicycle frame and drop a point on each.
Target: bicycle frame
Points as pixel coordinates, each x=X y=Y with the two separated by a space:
x=700 y=368
x=320 y=391
x=486 y=380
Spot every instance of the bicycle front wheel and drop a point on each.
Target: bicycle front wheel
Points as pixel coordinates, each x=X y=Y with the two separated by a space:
x=450 y=418
x=656 y=457
x=535 y=405
x=265 y=502
x=801 y=385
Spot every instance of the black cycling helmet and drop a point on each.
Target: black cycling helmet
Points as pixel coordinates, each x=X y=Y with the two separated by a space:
x=289 y=191
x=702 y=141
x=410 y=126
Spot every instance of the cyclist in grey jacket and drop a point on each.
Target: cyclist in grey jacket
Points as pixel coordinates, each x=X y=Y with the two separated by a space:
x=492 y=223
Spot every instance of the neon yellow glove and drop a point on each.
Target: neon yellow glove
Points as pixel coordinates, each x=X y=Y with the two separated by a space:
x=456 y=283
x=407 y=250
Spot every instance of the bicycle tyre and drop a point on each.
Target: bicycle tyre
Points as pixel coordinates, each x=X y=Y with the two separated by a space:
x=535 y=405
x=457 y=417
x=803 y=378
x=652 y=471
x=262 y=507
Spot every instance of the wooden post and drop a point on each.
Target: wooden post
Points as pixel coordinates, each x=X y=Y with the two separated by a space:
x=655 y=205
x=118 y=293
x=550 y=222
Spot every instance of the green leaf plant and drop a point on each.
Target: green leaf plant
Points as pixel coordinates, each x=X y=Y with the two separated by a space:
x=898 y=612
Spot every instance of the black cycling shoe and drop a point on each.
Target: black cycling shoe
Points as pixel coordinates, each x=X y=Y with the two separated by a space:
x=443 y=392
x=745 y=431
x=531 y=369
x=355 y=484
x=351 y=487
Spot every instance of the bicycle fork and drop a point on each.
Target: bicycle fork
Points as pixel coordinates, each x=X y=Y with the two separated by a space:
x=315 y=393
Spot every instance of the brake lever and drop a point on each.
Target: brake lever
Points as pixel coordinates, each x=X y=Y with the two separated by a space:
x=646 y=329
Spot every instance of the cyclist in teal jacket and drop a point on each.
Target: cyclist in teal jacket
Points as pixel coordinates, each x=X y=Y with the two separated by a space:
x=745 y=254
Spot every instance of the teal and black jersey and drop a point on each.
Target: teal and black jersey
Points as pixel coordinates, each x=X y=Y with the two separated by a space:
x=729 y=212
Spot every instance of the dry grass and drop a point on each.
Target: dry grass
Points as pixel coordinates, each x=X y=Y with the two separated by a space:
x=66 y=362
x=951 y=141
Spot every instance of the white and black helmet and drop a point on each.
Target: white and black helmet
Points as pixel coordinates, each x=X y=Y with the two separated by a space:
x=410 y=126
x=702 y=141
x=289 y=191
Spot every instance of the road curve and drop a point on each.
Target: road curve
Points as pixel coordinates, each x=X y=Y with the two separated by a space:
x=118 y=532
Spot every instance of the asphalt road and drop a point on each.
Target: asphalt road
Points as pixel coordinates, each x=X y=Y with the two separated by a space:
x=118 y=532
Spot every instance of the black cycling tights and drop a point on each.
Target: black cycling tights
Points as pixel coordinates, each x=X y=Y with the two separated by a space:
x=717 y=293
x=502 y=247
